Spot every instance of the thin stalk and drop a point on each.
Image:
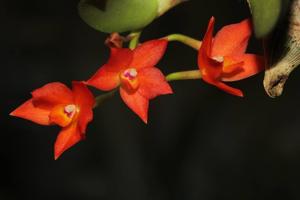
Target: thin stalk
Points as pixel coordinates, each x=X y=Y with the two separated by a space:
x=184 y=75
x=103 y=97
x=135 y=39
x=191 y=42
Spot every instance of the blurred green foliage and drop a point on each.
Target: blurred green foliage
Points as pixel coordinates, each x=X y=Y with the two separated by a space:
x=266 y=14
x=118 y=15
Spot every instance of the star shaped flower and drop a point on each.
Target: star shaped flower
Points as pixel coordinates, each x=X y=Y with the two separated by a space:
x=135 y=73
x=55 y=103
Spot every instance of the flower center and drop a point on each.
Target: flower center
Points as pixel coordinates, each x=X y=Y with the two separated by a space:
x=130 y=73
x=129 y=79
x=70 y=110
x=219 y=59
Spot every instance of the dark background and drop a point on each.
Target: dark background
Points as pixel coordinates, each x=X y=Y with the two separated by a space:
x=201 y=143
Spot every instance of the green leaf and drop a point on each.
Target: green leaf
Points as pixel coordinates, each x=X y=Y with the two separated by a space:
x=265 y=15
x=118 y=15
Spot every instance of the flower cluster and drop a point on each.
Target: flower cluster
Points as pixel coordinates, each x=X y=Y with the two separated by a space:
x=134 y=73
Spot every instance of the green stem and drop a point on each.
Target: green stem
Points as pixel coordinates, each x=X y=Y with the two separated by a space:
x=135 y=39
x=103 y=97
x=184 y=75
x=195 y=44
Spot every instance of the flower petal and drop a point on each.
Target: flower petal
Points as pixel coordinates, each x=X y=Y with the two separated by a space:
x=228 y=89
x=137 y=103
x=82 y=95
x=85 y=100
x=153 y=83
x=107 y=77
x=232 y=39
x=208 y=67
x=149 y=53
x=253 y=64
x=205 y=49
x=67 y=137
x=28 y=111
x=52 y=94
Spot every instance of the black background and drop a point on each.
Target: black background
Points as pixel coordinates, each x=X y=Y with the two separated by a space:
x=201 y=143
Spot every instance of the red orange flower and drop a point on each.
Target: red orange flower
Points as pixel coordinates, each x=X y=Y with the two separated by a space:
x=223 y=58
x=134 y=72
x=55 y=103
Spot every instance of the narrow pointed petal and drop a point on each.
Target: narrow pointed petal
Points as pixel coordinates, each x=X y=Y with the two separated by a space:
x=153 y=83
x=85 y=100
x=232 y=39
x=52 y=94
x=149 y=53
x=67 y=137
x=137 y=103
x=208 y=67
x=229 y=89
x=28 y=111
x=205 y=49
x=253 y=64
x=107 y=77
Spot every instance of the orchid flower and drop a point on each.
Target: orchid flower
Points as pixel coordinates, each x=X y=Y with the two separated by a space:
x=223 y=58
x=55 y=103
x=135 y=73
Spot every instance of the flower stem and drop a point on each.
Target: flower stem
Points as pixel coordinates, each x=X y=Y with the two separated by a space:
x=103 y=97
x=184 y=75
x=135 y=39
x=195 y=44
